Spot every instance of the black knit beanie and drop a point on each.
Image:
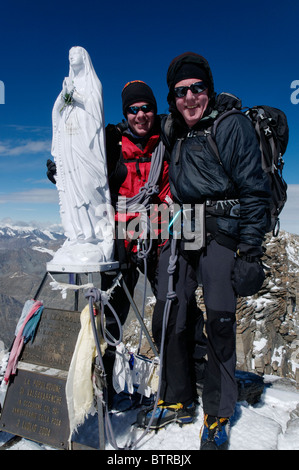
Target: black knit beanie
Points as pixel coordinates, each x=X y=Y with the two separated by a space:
x=136 y=91
x=190 y=71
x=189 y=65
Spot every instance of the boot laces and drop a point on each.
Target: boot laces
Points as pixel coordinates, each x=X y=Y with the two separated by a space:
x=215 y=426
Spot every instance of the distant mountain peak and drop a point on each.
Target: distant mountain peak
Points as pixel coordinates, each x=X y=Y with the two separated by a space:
x=53 y=232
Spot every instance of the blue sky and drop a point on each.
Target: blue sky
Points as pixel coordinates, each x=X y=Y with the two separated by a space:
x=252 y=47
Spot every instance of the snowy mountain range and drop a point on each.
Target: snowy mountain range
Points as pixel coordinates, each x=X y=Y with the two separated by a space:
x=26 y=235
x=24 y=253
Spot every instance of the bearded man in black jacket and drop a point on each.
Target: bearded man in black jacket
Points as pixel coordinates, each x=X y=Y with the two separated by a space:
x=234 y=194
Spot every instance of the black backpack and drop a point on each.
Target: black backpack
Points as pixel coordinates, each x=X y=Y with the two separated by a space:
x=272 y=132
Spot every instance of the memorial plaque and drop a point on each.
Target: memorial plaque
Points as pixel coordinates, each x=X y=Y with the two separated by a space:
x=55 y=340
x=35 y=406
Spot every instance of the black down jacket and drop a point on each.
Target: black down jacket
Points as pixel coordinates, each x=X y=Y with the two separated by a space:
x=197 y=176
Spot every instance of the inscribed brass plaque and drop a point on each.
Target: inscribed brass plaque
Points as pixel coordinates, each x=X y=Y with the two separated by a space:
x=35 y=408
x=55 y=340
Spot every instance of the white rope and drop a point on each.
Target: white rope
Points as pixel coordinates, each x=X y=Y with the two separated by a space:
x=65 y=286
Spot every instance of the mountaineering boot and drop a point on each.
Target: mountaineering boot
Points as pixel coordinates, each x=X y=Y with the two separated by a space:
x=165 y=414
x=214 y=433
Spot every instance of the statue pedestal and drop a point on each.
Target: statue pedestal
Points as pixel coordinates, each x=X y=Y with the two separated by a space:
x=35 y=405
x=82 y=268
x=83 y=258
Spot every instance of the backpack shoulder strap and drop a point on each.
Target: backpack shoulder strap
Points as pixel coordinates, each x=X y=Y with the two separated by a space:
x=211 y=132
x=167 y=133
x=223 y=116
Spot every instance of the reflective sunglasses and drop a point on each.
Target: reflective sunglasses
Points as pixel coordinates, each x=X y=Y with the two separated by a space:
x=197 y=87
x=145 y=108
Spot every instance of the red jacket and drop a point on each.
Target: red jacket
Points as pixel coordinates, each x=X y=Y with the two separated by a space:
x=138 y=164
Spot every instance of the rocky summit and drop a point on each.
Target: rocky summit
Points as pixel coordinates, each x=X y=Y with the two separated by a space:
x=267 y=323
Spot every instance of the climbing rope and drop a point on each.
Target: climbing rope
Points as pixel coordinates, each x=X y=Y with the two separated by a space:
x=95 y=295
x=140 y=203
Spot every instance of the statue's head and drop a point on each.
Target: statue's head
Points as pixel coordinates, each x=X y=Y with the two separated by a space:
x=80 y=65
x=76 y=56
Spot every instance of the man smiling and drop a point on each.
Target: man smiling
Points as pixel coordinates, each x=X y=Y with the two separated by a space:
x=191 y=100
x=234 y=193
x=141 y=118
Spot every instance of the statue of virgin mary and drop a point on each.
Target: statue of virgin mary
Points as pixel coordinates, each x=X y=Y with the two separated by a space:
x=78 y=148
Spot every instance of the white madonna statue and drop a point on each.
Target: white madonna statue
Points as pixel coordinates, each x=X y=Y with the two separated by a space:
x=78 y=148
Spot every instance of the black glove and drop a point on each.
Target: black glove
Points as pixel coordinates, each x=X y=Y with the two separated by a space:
x=122 y=126
x=248 y=274
x=51 y=171
x=114 y=132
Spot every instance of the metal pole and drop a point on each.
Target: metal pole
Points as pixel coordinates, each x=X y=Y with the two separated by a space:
x=97 y=361
x=40 y=286
x=139 y=318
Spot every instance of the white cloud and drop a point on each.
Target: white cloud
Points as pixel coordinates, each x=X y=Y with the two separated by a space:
x=12 y=148
x=32 y=196
x=289 y=218
x=9 y=222
x=31 y=129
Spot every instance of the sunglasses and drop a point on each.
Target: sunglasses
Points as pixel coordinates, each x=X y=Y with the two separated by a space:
x=145 y=108
x=195 y=88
